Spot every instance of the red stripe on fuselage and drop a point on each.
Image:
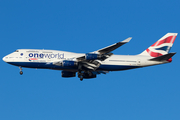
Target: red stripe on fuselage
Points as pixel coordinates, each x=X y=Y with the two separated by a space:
x=33 y=59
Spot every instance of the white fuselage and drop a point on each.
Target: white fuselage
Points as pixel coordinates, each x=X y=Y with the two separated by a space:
x=35 y=58
x=91 y=64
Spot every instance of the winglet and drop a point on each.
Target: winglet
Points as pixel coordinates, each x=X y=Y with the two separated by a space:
x=127 y=40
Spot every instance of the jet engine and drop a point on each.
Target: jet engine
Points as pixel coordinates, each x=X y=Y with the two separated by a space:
x=66 y=63
x=92 y=56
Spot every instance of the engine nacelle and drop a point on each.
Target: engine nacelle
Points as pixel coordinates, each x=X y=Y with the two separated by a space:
x=67 y=63
x=92 y=56
x=68 y=74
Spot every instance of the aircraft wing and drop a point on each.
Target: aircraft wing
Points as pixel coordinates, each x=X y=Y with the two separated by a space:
x=113 y=47
x=93 y=60
x=106 y=52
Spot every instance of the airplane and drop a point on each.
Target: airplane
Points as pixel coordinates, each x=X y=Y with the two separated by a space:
x=89 y=65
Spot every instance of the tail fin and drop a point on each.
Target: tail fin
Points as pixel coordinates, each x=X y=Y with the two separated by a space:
x=161 y=47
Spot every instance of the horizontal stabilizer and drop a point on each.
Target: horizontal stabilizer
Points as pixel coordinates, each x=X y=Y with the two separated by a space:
x=163 y=57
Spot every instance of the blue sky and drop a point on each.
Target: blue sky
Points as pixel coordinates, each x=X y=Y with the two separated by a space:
x=85 y=26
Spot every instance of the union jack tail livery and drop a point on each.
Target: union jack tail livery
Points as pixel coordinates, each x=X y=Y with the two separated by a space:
x=161 y=47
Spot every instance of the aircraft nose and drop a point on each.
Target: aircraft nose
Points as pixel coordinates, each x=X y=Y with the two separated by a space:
x=4 y=59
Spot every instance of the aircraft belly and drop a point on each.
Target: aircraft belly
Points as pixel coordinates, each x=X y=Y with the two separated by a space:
x=116 y=67
x=41 y=65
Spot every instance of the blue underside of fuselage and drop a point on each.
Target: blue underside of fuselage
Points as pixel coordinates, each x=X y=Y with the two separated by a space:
x=55 y=67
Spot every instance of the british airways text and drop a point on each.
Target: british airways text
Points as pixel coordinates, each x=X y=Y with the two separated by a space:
x=42 y=55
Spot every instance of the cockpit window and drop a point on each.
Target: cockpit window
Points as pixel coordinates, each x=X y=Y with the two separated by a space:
x=17 y=51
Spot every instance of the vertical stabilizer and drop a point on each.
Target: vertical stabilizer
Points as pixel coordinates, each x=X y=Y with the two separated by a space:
x=161 y=47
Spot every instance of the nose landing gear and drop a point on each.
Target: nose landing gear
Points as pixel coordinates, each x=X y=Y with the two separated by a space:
x=21 y=72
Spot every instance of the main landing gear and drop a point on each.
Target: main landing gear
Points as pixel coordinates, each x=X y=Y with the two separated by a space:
x=80 y=72
x=21 y=72
x=81 y=78
x=80 y=75
x=85 y=74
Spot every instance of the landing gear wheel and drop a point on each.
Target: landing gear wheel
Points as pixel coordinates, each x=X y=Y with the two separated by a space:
x=81 y=78
x=90 y=73
x=21 y=72
x=79 y=75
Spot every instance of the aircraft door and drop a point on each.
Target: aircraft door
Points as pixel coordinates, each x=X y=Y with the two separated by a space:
x=138 y=62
